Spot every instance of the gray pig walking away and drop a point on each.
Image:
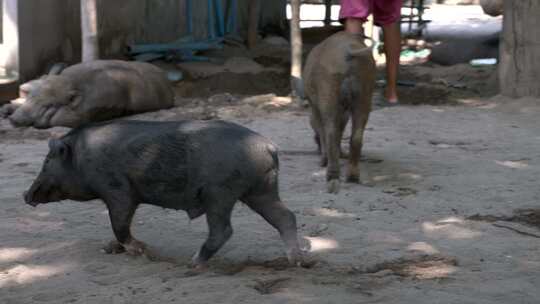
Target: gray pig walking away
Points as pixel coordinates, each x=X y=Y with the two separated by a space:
x=93 y=91
x=200 y=167
x=339 y=78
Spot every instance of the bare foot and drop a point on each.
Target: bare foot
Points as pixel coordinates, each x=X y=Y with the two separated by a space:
x=390 y=95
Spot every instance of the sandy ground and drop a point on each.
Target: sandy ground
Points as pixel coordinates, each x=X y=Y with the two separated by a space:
x=447 y=213
x=439 y=221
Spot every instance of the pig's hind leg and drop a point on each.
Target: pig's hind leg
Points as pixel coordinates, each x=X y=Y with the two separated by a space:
x=315 y=121
x=361 y=106
x=270 y=207
x=343 y=124
x=356 y=143
x=316 y=126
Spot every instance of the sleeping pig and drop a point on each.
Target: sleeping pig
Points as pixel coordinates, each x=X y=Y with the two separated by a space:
x=93 y=91
x=195 y=166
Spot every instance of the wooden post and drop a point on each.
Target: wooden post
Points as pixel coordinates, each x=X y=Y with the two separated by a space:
x=253 y=22
x=519 y=52
x=296 y=51
x=328 y=12
x=89 y=31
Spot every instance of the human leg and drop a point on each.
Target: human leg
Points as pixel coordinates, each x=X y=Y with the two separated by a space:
x=387 y=16
x=354 y=13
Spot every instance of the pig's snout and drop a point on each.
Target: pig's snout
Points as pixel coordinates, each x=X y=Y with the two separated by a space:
x=12 y=121
x=19 y=120
x=29 y=196
x=28 y=200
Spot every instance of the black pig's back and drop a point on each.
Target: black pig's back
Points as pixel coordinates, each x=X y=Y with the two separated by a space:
x=171 y=164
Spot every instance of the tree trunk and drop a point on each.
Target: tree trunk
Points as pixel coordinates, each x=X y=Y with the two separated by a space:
x=519 y=68
x=296 y=50
x=89 y=32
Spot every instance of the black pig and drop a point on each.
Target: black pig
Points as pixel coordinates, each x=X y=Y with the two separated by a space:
x=199 y=167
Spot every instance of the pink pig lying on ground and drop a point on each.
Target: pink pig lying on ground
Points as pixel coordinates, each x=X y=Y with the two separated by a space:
x=93 y=91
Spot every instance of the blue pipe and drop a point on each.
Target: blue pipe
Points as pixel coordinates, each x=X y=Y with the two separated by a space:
x=148 y=57
x=219 y=17
x=186 y=46
x=194 y=58
x=231 y=17
x=211 y=25
x=165 y=47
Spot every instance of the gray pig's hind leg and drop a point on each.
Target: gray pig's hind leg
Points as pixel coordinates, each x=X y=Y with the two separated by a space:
x=343 y=124
x=315 y=121
x=331 y=111
x=333 y=141
x=270 y=207
x=356 y=143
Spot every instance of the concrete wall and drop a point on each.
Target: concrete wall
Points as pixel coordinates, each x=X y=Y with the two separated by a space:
x=9 y=51
x=124 y=22
x=272 y=17
x=44 y=37
x=49 y=31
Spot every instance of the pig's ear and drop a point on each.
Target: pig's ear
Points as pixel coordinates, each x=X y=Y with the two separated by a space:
x=59 y=148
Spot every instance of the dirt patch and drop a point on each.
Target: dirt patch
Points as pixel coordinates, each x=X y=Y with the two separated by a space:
x=425 y=93
x=401 y=191
x=224 y=106
x=236 y=83
x=19 y=134
x=270 y=286
x=432 y=84
x=272 y=62
x=418 y=267
x=419 y=85
x=529 y=217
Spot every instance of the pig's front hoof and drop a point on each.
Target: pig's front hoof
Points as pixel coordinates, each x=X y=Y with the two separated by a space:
x=300 y=258
x=295 y=257
x=114 y=247
x=333 y=186
x=196 y=270
x=307 y=263
x=197 y=262
x=136 y=248
x=196 y=267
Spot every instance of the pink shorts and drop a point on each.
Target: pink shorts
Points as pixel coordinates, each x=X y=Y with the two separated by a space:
x=384 y=11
